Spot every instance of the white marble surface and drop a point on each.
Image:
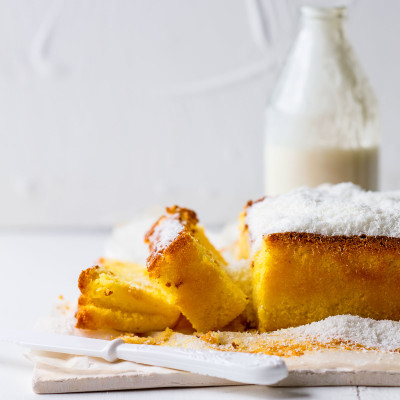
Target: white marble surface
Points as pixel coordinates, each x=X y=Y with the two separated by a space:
x=36 y=267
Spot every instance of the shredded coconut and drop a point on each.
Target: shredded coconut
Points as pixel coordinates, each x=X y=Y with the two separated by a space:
x=381 y=335
x=342 y=209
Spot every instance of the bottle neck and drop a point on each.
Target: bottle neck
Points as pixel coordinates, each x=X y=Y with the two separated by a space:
x=323 y=13
x=323 y=24
x=323 y=18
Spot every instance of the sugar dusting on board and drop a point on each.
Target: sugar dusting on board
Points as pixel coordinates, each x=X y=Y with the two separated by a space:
x=345 y=333
x=372 y=334
x=342 y=209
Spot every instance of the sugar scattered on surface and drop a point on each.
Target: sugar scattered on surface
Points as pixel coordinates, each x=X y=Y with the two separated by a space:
x=342 y=209
x=381 y=335
x=62 y=319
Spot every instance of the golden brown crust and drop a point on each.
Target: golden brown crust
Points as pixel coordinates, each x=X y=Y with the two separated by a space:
x=186 y=216
x=337 y=244
x=83 y=300
x=86 y=276
x=251 y=202
x=83 y=319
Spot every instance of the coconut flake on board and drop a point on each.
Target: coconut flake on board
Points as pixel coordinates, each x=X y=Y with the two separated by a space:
x=373 y=334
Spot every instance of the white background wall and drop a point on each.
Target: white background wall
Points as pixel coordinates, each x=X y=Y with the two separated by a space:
x=110 y=107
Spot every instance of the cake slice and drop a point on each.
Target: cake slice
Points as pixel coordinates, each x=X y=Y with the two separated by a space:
x=119 y=295
x=191 y=271
x=322 y=252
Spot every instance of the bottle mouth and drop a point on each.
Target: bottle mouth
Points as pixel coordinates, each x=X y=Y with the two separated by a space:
x=323 y=12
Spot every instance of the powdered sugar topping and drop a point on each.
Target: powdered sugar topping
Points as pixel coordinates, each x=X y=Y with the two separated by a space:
x=342 y=209
x=166 y=232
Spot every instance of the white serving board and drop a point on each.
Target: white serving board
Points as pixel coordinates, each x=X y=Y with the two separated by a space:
x=61 y=373
x=330 y=369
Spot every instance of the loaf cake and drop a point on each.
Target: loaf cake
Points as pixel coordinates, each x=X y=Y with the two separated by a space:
x=321 y=252
x=119 y=295
x=305 y=255
x=191 y=272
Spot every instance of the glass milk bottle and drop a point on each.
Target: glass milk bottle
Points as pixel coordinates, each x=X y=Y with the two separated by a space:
x=322 y=120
